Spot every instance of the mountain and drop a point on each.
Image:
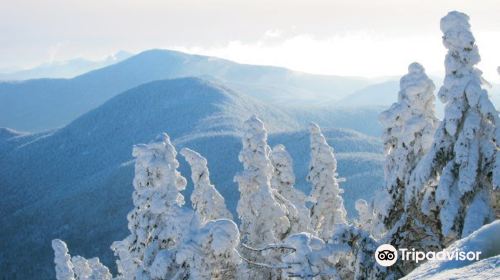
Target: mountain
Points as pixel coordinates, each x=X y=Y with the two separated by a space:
x=37 y=105
x=362 y=119
x=7 y=133
x=63 y=69
x=78 y=179
x=381 y=94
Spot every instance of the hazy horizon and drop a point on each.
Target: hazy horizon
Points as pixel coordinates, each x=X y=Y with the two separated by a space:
x=358 y=38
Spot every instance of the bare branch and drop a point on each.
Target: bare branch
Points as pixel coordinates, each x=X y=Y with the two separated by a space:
x=268 y=247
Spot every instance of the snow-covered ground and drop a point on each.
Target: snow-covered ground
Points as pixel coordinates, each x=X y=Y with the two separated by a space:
x=485 y=240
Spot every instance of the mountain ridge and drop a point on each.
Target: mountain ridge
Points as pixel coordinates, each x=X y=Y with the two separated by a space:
x=41 y=104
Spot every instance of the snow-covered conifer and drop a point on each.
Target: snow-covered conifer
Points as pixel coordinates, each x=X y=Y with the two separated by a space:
x=263 y=214
x=283 y=181
x=207 y=202
x=91 y=269
x=355 y=248
x=263 y=219
x=328 y=206
x=210 y=252
x=409 y=126
x=64 y=266
x=310 y=258
x=366 y=216
x=157 y=221
x=465 y=147
x=77 y=267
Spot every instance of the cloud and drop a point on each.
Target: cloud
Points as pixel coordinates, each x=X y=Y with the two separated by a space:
x=354 y=54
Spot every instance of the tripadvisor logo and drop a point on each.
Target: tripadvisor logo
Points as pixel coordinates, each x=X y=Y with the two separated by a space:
x=387 y=255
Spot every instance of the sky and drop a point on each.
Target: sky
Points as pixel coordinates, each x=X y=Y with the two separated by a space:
x=350 y=38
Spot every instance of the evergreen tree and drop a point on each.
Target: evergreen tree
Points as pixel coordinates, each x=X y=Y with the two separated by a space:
x=283 y=182
x=210 y=252
x=409 y=126
x=308 y=257
x=64 y=266
x=77 y=267
x=157 y=222
x=457 y=174
x=207 y=202
x=263 y=219
x=366 y=217
x=355 y=249
x=91 y=269
x=327 y=204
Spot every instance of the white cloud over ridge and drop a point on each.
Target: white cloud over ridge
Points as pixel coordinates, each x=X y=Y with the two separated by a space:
x=359 y=54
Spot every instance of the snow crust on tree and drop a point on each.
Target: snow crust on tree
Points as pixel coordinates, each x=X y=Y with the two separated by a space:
x=91 y=269
x=311 y=257
x=366 y=217
x=62 y=260
x=283 y=182
x=409 y=126
x=262 y=210
x=207 y=202
x=485 y=240
x=210 y=252
x=354 y=249
x=158 y=220
x=457 y=174
x=77 y=267
x=263 y=219
x=327 y=208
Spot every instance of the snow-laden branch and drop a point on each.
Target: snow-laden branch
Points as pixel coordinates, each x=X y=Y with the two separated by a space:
x=207 y=202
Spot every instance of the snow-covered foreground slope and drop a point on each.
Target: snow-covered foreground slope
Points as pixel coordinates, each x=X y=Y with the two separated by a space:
x=79 y=178
x=485 y=240
x=37 y=105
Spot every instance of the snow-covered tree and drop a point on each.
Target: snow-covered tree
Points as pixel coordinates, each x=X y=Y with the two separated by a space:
x=457 y=175
x=91 y=269
x=207 y=202
x=355 y=249
x=263 y=219
x=210 y=252
x=409 y=126
x=366 y=216
x=309 y=258
x=327 y=204
x=64 y=266
x=283 y=182
x=77 y=267
x=157 y=222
